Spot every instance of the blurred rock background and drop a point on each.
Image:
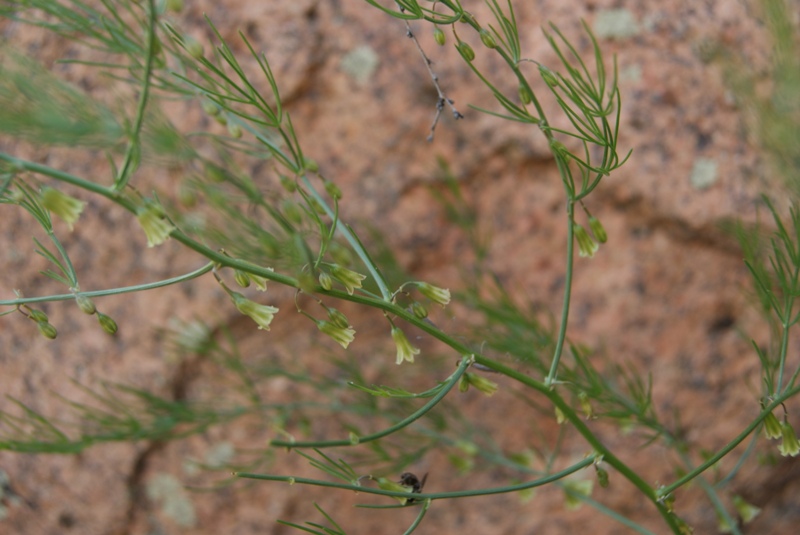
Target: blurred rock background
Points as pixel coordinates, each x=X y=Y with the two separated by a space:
x=668 y=292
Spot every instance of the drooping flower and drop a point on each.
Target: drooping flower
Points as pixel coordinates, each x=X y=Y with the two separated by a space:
x=156 y=228
x=481 y=383
x=434 y=293
x=261 y=314
x=790 y=446
x=405 y=351
x=747 y=511
x=342 y=336
x=597 y=229
x=772 y=426
x=67 y=208
x=386 y=484
x=349 y=278
x=586 y=245
x=107 y=323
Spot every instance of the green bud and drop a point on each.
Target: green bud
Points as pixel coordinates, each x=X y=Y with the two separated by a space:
x=241 y=278
x=525 y=95
x=463 y=384
x=292 y=212
x=325 y=281
x=47 y=330
x=85 y=304
x=602 y=477
x=210 y=108
x=586 y=245
x=487 y=39
x=338 y=318
x=38 y=316
x=307 y=282
x=597 y=229
x=481 y=383
x=434 y=293
x=234 y=130
x=108 y=324
x=466 y=51
x=439 y=36
x=310 y=165
x=549 y=77
x=419 y=310
x=288 y=184
x=333 y=190
x=586 y=405
x=221 y=119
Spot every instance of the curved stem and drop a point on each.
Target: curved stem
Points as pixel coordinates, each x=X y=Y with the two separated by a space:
x=562 y=330
x=711 y=461
x=427 y=496
x=451 y=382
x=127 y=168
x=114 y=291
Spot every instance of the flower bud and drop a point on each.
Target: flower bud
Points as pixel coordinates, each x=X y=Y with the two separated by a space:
x=221 y=119
x=325 y=281
x=525 y=95
x=333 y=190
x=338 y=318
x=419 y=310
x=466 y=51
x=241 y=278
x=386 y=484
x=47 y=330
x=487 y=39
x=586 y=245
x=439 y=36
x=549 y=77
x=235 y=130
x=597 y=229
x=37 y=315
x=310 y=165
x=85 y=304
x=259 y=281
x=602 y=477
x=108 y=324
x=288 y=184
x=481 y=383
x=67 y=208
x=210 y=108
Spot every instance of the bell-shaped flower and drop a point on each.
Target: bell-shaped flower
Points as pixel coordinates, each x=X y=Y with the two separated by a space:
x=790 y=446
x=67 y=208
x=342 y=336
x=434 y=293
x=261 y=314
x=349 y=278
x=405 y=351
x=156 y=228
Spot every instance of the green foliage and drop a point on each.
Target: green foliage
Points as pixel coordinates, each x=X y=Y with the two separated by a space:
x=291 y=235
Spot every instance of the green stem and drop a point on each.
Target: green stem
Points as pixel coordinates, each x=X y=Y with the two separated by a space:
x=427 y=496
x=114 y=291
x=420 y=516
x=351 y=238
x=451 y=382
x=665 y=491
x=562 y=330
x=127 y=169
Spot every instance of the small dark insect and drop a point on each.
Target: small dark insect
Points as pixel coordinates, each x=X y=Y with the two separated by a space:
x=410 y=480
